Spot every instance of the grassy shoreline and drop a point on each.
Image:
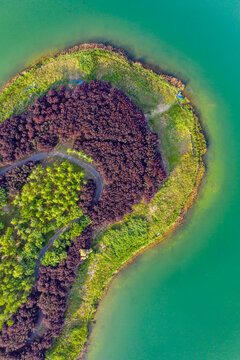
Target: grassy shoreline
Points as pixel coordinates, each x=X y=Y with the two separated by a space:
x=182 y=146
x=170 y=230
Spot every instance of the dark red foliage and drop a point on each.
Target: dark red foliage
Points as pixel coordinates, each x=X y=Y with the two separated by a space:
x=32 y=351
x=13 y=180
x=15 y=337
x=87 y=196
x=108 y=127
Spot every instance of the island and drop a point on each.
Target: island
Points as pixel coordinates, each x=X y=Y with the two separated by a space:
x=101 y=157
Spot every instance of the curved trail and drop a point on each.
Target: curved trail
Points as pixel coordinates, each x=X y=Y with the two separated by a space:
x=43 y=155
x=42 y=253
x=99 y=188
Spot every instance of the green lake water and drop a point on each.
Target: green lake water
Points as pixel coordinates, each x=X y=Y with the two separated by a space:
x=181 y=299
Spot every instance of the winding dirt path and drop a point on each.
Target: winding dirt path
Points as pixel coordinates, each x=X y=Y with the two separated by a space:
x=99 y=188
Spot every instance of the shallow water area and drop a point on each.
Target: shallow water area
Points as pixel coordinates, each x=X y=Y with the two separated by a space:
x=179 y=300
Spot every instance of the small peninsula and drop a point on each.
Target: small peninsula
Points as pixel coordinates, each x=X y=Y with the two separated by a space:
x=100 y=157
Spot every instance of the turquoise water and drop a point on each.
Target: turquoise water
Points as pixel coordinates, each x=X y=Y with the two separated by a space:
x=180 y=300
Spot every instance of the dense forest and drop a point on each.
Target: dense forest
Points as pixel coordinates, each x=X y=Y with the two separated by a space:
x=108 y=127
x=13 y=180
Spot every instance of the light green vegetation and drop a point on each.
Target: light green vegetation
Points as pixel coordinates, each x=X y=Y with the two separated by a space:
x=3 y=200
x=3 y=197
x=182 y=147
x=47 y=203
x=80 y=154
x=58 y=251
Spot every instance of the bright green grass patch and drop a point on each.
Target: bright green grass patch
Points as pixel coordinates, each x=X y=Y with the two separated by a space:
x=80 y=154
x=142 y=86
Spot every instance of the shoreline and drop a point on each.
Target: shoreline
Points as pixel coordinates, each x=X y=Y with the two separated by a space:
x=169 y=231
x=178 y=83
x=201 y=166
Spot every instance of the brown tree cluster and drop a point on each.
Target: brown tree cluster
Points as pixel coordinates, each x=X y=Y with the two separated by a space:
x=16 y=336
x=108 y=127
x=50 y=299
x=34 y=350
x=13 y=180
x=86 y=198
x=54 y=282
